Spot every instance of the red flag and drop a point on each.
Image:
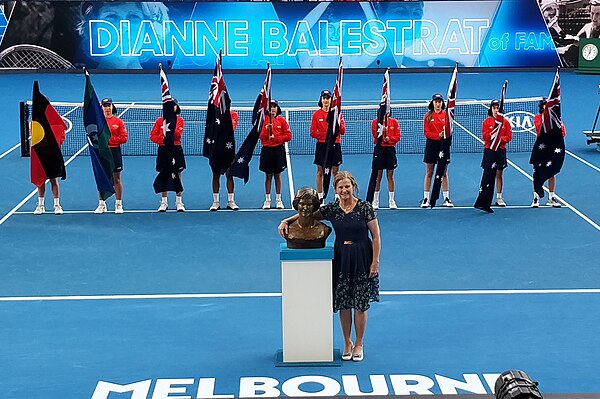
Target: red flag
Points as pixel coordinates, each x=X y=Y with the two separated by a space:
x=47 y=134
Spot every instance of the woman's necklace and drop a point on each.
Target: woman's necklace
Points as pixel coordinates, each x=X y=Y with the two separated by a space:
x=349 y=207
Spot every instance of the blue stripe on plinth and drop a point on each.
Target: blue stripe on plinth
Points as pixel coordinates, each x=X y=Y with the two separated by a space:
x=286 y=253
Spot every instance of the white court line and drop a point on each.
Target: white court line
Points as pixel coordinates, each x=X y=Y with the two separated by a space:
x=568 y=205
x=583 y=161
x=10 y=150
x=31 y=194
x=278 y=294
x=260 y=210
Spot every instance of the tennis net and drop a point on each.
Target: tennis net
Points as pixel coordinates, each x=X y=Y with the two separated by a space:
x=139 y=118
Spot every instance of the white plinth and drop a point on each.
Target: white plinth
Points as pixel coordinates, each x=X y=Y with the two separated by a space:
x=307 y=303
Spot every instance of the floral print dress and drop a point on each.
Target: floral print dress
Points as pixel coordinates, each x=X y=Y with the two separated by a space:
x=353 y=254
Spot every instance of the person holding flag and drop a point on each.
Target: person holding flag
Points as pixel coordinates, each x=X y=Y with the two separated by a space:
x=496 y=135
x=219 y=138
x=386 y=133
x=48 y=132
x=98 y=137
x=326 y=157
x=261 y=116
x=274 y=134
x=434 y=128
x=118 y=136
x=548 y=153
x=157 y=136
x=537 y=121
x=386 y=159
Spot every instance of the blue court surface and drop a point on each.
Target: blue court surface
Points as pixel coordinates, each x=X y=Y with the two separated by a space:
x=188 y=305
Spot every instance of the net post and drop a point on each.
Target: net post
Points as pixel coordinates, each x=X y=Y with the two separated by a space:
x=24 y=127
x=596 y=120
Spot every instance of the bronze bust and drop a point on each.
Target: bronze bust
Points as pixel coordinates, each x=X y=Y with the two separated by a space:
x=306 y=231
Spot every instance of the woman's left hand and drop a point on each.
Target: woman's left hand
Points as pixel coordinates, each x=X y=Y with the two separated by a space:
x=374 y=270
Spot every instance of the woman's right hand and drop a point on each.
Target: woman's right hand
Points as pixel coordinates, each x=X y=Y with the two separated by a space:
x=283 y=229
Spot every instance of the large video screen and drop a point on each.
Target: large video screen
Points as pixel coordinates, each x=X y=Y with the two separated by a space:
x=293 y=35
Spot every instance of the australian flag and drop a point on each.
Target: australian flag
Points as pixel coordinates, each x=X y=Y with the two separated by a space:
x=491 y=160
x=334 y=118
x=383 y=113
x=444 y=155
x=240 y=167
x=548 y=153
x=219 y=139
x=168 y=176
x=98 y=135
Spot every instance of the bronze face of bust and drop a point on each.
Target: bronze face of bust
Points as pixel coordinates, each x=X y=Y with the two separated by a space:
x=306 y=231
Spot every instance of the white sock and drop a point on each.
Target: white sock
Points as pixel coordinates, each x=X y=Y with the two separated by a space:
x=426 y=195
x=101 y=203
x=56 y=201
x=268 y=197
x=551 y=194
x=376 y=196
x=320 y=195
x=446 y=194
x=499 y=195
x=40 y=200
x=230 y=197
x=165 y=200
x=391 y=193
x=277 y=197
x=118 y=202
x=216 y=197
x=535 y=195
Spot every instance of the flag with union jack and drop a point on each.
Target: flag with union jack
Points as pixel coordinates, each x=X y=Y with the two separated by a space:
x=446 y=141
x=492 y=160
x=383 y=113
x=219 y=139
x=168 y=165
x=548 y=153
x=334 y=121
x=240 y=167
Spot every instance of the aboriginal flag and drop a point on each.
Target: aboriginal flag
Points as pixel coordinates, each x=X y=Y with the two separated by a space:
x=47 y=134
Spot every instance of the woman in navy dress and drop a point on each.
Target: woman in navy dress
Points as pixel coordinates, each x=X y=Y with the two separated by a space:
x=355 y=261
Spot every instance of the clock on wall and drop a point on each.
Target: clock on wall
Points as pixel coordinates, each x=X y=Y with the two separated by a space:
x=589 y=59
x=589 y=51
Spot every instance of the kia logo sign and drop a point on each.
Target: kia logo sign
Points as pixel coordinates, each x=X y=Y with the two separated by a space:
x=521 y=121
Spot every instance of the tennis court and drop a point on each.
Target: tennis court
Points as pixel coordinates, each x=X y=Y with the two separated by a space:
x=188 y=304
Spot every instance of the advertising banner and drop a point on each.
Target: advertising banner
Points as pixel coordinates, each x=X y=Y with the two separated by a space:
x=292 y=35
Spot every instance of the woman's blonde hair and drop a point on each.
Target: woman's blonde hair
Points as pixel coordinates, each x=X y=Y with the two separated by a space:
x=341 y=175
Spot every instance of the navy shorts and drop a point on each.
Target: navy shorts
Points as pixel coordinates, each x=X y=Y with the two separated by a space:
x=498 y=156
x=272 y=160
x=117 y=158
x=386 y=158
x=177 y=153
x=432 y=151
x=335 y=156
